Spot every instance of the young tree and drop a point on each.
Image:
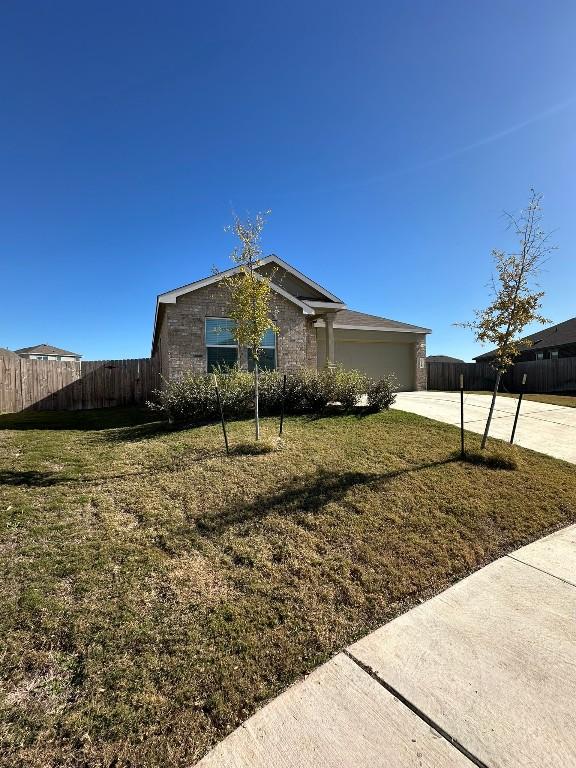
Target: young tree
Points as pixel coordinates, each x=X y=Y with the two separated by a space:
x=515 y=302
x=250 y=295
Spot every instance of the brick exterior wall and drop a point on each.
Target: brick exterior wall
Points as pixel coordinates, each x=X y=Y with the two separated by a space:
x=311 y=344
x=181 y=344
x=421 y=377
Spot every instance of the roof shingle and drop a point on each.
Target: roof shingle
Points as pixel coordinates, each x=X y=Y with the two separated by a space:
x=45 y=349
x=349 y=318
x=555 y=336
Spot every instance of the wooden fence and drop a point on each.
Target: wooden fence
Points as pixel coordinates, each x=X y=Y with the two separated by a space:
x=44 y=385
x=552 y=376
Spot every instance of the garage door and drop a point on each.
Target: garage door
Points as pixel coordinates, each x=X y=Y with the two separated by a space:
x=373 y=353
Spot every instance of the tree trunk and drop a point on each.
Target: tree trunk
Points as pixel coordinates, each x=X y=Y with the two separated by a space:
x=256 y=408
x=487 y=428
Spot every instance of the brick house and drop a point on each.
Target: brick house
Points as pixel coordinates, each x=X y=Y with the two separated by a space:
x=557 y=341
x=192 y=331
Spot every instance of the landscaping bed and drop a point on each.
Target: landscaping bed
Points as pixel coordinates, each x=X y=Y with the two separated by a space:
x=156 y=592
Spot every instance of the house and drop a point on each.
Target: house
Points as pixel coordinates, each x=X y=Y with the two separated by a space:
x=548 y=344
x=47 y=352
x=443 y=359
x=7 y=354
x=192 y=331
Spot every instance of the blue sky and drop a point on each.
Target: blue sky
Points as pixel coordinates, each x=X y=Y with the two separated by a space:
x=385 y=137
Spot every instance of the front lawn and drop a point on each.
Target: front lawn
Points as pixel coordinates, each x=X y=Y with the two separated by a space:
x=155 y=593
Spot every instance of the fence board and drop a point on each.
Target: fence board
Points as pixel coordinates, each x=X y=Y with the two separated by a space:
x=58 y=385
x=543 y=376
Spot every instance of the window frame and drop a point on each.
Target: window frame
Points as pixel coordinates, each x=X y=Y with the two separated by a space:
x=235 y=345
x=217 y=346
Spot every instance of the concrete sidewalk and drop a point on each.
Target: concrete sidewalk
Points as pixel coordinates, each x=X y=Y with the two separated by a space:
x=483 y=674
x=545 y=428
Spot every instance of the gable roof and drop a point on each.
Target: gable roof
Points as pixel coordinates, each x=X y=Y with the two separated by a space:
x=555 y=336
x=344 y=318
x=352 y=320
x=307 y=307
x=443 y=359
x=45 y=349
x=7 y=353
x=169 y=297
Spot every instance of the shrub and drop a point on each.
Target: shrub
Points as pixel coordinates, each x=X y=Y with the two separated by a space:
x=193 y=397
x=380 y=394
x=347 y=387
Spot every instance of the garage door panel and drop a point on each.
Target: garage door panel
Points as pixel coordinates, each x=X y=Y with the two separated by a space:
x=378 y=359
x=374 y=353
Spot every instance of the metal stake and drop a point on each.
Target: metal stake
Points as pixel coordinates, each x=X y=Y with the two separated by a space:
x=462 y=415
x=518 y=409
x=282 y=408
x=221 y=414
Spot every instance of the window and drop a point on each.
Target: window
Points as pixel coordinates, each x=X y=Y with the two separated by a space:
x=539 y=355
x=222 y=350
x=553 y=354
x=221 y=347
x=267 y=354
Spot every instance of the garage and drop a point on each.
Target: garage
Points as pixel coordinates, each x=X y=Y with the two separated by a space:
x=374 y=351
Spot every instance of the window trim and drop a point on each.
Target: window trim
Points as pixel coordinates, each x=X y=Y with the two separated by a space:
x=235 y=345
x=217 y=346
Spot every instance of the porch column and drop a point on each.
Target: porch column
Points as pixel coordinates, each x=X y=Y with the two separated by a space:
x=329 y=322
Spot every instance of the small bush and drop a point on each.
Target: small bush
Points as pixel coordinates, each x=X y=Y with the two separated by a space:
x=380 y=394
x=192 y=399
x=347 y=387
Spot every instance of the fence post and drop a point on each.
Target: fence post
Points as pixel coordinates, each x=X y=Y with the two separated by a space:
x=282 y=407
x=518 y=409
x=221 y=414
x=462 y=415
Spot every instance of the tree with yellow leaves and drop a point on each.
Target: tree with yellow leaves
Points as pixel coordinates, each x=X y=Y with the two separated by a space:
x=515 y=302
x=250 y=295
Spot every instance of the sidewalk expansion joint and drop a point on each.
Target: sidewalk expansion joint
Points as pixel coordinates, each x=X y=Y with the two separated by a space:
x=552 y=576
x=418 y=712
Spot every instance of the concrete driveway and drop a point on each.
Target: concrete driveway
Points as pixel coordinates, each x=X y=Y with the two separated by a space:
x=483 y=674
x=545 y=428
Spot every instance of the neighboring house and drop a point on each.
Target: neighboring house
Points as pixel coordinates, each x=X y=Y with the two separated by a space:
x=47 y=352
x=548 y=344
x=192 y=331
x=8 y=354
x=443 y=359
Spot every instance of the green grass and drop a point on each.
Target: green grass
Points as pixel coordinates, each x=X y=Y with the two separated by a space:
x=566 y=400
x=155 y=593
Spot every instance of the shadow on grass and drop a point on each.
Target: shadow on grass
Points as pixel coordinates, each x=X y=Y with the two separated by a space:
x=133 y=434
x=31 y=479
x=34 y=479
x=92 y=420
x=310 y=494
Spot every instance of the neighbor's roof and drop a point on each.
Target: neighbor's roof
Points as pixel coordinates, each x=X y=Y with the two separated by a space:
x=45 y=349
x=443 y=359
x=7 y=353
x=555 y=336
x=352 y=320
